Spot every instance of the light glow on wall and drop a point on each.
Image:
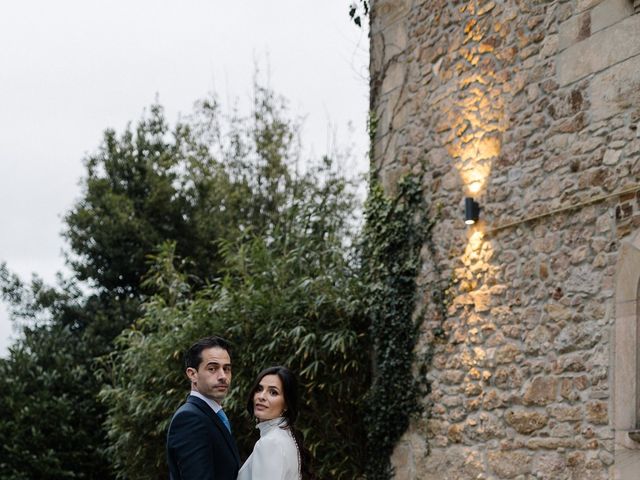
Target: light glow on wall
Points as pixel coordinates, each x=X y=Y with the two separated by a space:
x=476 y=123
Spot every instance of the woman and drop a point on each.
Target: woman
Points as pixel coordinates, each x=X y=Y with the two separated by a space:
x=279 y=454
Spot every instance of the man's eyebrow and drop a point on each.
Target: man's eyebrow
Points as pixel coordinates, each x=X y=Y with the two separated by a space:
x=214 y=363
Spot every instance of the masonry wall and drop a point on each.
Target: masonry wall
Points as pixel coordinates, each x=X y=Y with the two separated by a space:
x=532 y=107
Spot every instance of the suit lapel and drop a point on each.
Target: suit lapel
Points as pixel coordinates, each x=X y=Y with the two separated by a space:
x=208 y=411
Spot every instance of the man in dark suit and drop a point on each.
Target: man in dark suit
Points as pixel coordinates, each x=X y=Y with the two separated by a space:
x=199 y=442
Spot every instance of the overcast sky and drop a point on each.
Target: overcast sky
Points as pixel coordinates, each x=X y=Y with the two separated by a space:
x=71 y=68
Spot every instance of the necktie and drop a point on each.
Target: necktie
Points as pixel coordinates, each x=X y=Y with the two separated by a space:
x=224 y=419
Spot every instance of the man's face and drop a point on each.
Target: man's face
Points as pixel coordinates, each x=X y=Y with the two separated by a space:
x=213 y=376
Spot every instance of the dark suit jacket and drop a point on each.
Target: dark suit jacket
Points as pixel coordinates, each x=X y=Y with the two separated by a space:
x=199 y=446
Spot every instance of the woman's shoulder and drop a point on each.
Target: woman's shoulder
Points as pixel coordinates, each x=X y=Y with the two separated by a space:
x=277 y=438
x=276 y=455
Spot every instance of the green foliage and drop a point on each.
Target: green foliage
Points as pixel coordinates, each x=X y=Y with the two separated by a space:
x=204 y=181
x=130 y=204
x=142 y=378
x=208 y=182
x=49 y=417
x=51 y=426
x=394 y=234
x=291 y=297
x=211 y=228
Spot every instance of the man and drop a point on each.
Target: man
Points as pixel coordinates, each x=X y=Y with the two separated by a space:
x=199 y=442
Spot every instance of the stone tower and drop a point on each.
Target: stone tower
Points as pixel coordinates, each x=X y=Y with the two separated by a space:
x=532 y=108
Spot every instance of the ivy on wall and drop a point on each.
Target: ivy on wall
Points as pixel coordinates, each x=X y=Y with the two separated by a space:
x=395 y=230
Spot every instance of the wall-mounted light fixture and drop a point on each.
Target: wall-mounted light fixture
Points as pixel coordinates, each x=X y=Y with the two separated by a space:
x=471 y=211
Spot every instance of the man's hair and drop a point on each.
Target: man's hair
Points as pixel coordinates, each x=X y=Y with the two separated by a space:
x=193 y=357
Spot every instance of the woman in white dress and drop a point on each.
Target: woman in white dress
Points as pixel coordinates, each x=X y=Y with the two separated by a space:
x=279 y=454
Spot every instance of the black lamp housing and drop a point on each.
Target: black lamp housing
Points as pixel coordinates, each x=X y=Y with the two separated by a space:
x=471 y=211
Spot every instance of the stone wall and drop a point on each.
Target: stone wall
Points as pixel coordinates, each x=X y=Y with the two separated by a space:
x=532 y=107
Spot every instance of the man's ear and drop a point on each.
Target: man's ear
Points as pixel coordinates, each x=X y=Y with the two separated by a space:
x=192 y=374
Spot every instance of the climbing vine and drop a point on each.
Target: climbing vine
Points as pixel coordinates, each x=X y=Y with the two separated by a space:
x=394 y=233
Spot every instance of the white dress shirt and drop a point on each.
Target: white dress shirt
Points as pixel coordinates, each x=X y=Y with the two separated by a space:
x=212 y=403
x=274 y=456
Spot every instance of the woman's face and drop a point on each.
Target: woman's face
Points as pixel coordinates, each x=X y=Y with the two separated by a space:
x=268 y=401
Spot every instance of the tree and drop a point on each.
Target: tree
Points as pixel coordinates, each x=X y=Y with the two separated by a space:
x=196 y=185
x=51 y=426
x=225 y=196
x=293 y=297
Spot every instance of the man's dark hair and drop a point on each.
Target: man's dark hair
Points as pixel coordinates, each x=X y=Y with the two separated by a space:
x=193 y=357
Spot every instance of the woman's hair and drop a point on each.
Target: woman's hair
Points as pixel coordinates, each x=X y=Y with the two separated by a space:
x=291 y=399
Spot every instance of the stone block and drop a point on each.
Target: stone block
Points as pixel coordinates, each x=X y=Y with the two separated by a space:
x=507 y=354
x=564 y=413
x=570 y=363
x=615 y=90
x=508 y=377
x=561 y=430
x=557 y=312
x=552 y=443
x=455 y=433
x=491 y=400
x=581 y=382
x=574 y=30
x=466 y=463
x=526 y=422
x=538 y=340
x=392 y=83
x=509 y=464
x=579 y=336
x=609 y=12
x=628 y=271
x=625 y=378
x=566 y=390
x=611 y=157
x=597 y=413
x=600 y=51
x=541 y=391
x=472 y=389
x=402 y=461
x=582 y=280
x=582 y=5
x=389 y=14
x=550 y=46
x=481 y=300
x=550 y=466
x=627 y=464
x=626 y=308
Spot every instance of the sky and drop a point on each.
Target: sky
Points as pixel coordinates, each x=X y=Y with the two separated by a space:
x=70 y=69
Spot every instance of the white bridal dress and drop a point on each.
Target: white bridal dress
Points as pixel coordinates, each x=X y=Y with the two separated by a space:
x=274 y=456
